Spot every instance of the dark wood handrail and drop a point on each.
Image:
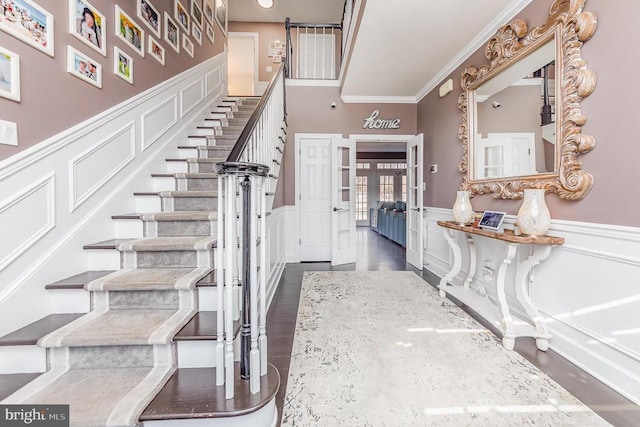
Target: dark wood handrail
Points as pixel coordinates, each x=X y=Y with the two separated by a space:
x=243 y=139
x=305 y=25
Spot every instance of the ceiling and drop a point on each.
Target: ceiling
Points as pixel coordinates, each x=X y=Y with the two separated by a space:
x=402 y=51
x=307 y=11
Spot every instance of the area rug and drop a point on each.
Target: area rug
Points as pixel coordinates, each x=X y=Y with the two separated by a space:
x=383 y=349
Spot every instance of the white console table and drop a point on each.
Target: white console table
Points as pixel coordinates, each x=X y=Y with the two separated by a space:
x=500 y=316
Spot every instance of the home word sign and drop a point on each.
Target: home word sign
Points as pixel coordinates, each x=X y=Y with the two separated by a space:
x=373 y=122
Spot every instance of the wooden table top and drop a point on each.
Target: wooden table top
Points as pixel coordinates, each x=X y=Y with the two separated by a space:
x=506 y=236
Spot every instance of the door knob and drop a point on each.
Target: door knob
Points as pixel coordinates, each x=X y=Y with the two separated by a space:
x=415 y=209
x=337 y=209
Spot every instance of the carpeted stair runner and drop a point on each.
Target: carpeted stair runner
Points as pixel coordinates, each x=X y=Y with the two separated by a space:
x=110 y=363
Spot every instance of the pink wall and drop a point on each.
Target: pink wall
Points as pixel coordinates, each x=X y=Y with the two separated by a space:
x=267 y=31
x=310 y=111
x=612 y=112
x=53 y=100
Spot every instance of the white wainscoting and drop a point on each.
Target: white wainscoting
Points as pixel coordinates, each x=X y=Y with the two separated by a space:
x=276 y=252
x=62 y=192
x=588 y=289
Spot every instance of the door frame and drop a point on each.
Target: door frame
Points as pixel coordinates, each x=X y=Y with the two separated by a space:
x=256 y=51
x=297 y=153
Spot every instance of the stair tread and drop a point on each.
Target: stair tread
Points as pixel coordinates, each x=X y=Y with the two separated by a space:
x=203 y=326
x=107 y=244
x=192 y=393
x=199 y=160
x=176 y=193
x=30 y=334
x=116 y=327
x=80 y=280
x=77 y=281
x=171 y=216
x=181 y=243
x=150 y=279
x=10 y=383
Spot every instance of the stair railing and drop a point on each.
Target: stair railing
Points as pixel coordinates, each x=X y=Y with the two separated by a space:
x=244 y=185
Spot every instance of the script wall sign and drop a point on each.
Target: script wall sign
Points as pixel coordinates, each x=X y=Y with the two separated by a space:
x=373 y=122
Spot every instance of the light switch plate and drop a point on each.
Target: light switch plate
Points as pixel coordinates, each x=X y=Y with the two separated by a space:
x=269 y=69
x=8 y=133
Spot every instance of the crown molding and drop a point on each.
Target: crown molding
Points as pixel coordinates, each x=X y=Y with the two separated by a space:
x=510 y=12
x=358 y=99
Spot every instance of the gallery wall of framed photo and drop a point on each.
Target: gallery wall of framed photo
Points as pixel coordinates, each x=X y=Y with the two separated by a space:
x=81 y=55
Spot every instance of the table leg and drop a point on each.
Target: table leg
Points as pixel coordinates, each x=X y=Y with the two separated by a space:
x=508 y=339
x=523 y=293
x=472 y=260
x=457 y=261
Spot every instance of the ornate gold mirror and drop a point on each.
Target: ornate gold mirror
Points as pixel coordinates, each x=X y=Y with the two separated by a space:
x=522 y=120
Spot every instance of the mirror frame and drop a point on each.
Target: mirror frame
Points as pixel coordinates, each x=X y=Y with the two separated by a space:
x=571 y=27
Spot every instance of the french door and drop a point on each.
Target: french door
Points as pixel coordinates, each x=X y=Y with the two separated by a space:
x=415 y=219
x=343 y=201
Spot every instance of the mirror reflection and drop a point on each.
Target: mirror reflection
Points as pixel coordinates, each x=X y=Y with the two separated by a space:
x=515 y=119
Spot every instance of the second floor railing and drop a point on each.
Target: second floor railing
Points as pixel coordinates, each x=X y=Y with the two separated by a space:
x=314 y=51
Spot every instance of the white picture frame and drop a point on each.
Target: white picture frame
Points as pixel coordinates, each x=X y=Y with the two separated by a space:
x=156 y=50
x=92 y=33
x=128 y=30
x=171 y=32
x=221 y=13
x=196 y=32
x=122 y=65
x=187 y=45
x=83 y=67
x=42 y=40
x=151 y=16
x=9 y=75
x=210 y=34
x=196 y=14
x=181 y=15
x=207 y=10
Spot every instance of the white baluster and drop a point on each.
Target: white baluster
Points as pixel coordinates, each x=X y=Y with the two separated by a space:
x=220 y=253
x=264 y=265
x=230 y=284
x=253 y=268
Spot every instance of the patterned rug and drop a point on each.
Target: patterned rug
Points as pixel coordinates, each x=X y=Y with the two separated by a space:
x=383 y=349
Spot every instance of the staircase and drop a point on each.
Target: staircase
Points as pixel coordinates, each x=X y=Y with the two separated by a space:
x=145 y=352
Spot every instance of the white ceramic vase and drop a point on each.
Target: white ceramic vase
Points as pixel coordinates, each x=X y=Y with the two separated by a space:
x=534 y=218
x=462 y=210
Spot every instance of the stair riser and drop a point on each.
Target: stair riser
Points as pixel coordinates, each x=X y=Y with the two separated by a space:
x=181 y=204
x=213 y=154
x=71 y=300
x=104 y=259
x=202 y=354
x=265 y=416
x=205 y=131
x=164 y=183
x=180 y=228
x=22 y=359
x=140 y=300
x=145 y=204
x=211 y=122
x=129 y=228
x=188 y=153
x=177 y=167
x=150 y=259
x=197 y=184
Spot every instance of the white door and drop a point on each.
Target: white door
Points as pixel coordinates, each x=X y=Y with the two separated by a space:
x=242 y=64
x=415 y=220
x=315 y=198
x=343 y=201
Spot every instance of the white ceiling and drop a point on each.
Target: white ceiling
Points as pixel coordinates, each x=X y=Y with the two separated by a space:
x=404 y=48
x=305 y=11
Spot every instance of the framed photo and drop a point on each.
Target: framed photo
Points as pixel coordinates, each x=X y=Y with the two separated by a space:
x=122 y=65
x=187 y=45
x=27 y=21
x=129 y=32
x=196 y=14
x=155 y=50
x=181 y=15
x=171 y=32
x=210 y=33
x=150 y=16
x=221 y=14
x=87 y=24
x=83 y=67
x=196 y=32
x=9 y=75
x=208 y=10
x=277 y=59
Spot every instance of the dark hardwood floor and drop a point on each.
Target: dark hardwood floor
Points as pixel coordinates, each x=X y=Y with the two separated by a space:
x=376 y=253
